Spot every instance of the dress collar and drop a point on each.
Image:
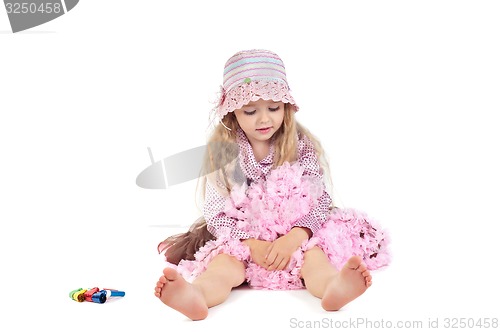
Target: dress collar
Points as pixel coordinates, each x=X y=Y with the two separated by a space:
x=252 y=168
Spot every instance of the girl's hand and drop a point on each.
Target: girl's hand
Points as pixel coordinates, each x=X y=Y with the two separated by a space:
x=258 y=251
x=280 y=251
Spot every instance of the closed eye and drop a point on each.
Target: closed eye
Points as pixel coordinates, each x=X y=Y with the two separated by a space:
x=250 y=112
x=274 y=109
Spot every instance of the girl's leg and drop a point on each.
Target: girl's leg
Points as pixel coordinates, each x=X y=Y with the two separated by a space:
x=223 y=273
x=334 y=288
x=211 y=288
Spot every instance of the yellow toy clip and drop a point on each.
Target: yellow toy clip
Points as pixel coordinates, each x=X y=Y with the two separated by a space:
x=78 y=294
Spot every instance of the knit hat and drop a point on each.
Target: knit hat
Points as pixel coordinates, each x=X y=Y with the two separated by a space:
x=252 y=75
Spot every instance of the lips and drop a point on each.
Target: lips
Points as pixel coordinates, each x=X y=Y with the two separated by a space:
x=264 y=130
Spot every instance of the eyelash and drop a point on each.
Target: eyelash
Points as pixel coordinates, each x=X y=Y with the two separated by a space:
x=270 y=109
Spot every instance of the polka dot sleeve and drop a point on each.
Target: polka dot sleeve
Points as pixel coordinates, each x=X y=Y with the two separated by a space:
x=217 y=221
x=309 y=160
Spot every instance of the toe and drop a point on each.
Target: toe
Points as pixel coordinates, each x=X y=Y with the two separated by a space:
x=170 y=274
x=355 y=262
x=362 y=267
x=368 y=281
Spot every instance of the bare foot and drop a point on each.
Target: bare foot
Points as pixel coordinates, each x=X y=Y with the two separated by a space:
x=180 y=295
x=352 y=281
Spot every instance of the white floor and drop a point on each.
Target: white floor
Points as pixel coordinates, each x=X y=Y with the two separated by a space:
x=404 y=293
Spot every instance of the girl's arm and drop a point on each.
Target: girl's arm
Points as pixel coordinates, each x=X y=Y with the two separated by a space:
x=309 y=160
x=317 y=216
x=217 y=221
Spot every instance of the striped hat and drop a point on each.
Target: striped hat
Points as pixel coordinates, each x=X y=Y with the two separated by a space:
x=252 y=75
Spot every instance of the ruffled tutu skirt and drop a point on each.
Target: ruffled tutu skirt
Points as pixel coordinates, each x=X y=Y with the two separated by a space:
x=345 y=233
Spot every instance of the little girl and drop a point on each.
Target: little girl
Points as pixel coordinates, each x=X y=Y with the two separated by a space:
x=268 y=219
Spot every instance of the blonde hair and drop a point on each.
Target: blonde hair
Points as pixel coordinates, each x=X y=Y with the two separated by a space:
x=222 y=149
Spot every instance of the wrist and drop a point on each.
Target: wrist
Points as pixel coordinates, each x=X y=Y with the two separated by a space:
x=301 y=233
x=249 y=242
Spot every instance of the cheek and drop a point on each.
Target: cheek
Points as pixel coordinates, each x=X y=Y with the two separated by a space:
x=244 y=123
x=240 y=119
x=279 y=117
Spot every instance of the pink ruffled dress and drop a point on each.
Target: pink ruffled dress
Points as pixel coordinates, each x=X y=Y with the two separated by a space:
x=272 y=201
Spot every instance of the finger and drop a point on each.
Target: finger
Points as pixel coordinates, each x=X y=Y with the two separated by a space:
x=271 y=257
x=276 y=264
x=269 y=251
x=283 y=264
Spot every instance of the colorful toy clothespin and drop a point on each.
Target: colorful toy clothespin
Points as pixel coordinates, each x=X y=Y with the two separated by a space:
x=113 y=293
x=89 y=294
x=78 y=294
x=94 y=294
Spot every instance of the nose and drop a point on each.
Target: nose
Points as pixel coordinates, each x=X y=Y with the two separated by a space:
x=264 y=117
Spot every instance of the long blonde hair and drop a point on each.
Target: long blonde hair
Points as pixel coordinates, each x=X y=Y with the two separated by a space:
x=222 y=148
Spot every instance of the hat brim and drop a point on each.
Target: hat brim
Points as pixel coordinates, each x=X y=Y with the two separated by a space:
x=245 y=93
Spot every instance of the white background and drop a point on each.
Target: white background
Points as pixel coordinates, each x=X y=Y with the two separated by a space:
x=404 y=96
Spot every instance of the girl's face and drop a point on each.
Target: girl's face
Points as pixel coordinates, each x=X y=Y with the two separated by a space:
x=260 y=119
